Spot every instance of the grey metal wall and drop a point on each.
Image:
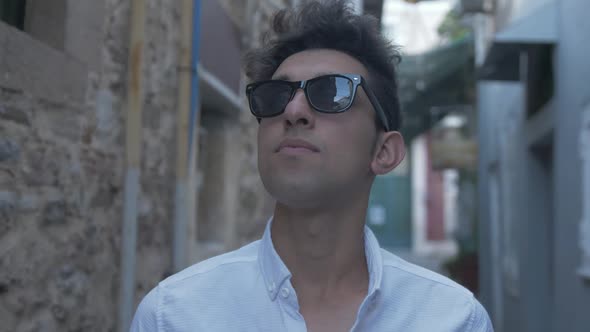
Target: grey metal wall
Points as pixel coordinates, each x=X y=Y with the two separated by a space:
x=530 y=191
x=572 y=63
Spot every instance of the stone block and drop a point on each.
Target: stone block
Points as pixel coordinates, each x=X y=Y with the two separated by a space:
x=108 y=122
x=28 y=202
x=59 y=120
x=41 y=168
x=7 y=178
x=15 y=114
x=54 y=214
x=7 y=197
x=59 y=312
x=16 y=305
x=72 y=281
x=9 y=150
x=7 y=212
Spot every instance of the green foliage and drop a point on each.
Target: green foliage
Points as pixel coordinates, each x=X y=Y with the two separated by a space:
x=452 y=28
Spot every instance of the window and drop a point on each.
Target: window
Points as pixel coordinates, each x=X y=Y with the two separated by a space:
x=13 y=12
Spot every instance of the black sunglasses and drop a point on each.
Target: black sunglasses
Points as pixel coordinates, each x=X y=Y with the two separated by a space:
x=332 y=93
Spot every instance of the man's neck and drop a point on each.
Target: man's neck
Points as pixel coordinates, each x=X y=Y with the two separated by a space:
x=324 y=250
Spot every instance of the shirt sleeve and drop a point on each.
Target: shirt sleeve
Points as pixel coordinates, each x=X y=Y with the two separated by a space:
x=146 y=316
x=480 y=321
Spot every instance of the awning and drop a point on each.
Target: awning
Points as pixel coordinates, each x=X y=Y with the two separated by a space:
x=419 y=73
x=439 y=78
x=533 y=33
x=539 y=27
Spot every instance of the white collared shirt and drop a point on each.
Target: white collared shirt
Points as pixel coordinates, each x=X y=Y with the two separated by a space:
x=250 y=290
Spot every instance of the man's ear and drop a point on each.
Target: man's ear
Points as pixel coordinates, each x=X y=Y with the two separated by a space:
x=389 y=152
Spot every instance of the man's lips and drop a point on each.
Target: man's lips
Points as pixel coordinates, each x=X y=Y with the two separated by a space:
x=295 y=144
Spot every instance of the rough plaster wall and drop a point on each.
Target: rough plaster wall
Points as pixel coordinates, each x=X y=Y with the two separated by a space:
x=61 y=176
x=62 y=173
x=55 y=242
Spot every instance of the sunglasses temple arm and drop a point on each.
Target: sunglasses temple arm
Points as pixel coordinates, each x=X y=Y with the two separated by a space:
x=380 y=113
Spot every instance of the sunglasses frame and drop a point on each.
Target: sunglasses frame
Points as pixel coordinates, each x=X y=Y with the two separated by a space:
x=357 y=80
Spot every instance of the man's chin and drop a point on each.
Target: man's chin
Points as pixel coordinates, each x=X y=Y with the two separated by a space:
x=298 y=195
x=299 y=204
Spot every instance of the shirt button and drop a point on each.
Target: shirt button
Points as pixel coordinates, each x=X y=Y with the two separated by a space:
x=285 y=292
x=373 y=304
x=271 y=287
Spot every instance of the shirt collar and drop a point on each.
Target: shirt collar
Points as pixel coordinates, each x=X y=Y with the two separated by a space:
x=275 y=272
x=374 y=262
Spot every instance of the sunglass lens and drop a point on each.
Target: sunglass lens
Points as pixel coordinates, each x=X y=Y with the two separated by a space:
x=270 y=98
x=330 y=93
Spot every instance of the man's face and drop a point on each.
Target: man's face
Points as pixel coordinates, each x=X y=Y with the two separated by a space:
x=306 y=158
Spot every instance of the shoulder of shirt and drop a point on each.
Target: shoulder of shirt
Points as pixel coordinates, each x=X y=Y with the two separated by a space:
x=478 y=317
x=147 y=316
x=247 y=254
x=392 y=261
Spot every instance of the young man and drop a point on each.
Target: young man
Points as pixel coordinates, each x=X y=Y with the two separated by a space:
x=325 y=96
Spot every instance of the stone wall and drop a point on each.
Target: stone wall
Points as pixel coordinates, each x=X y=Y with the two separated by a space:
x=62 y=165
x=62 y=126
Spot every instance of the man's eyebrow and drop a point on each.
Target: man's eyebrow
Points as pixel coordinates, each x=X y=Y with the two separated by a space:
x=285 y=77
x=282 y=77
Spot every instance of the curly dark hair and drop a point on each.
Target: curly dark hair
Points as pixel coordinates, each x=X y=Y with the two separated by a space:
x=331 y=24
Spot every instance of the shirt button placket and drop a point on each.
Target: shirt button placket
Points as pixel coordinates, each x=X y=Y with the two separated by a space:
x=294 y=321
x=285 y=292
x=373 y=303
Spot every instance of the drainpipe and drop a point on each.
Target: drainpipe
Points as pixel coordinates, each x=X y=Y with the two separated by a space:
x=194 y=128
x=195 y=97
x=132 y=163
x=184 y=232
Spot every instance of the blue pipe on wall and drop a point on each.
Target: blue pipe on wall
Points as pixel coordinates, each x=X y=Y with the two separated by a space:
x=195 y=98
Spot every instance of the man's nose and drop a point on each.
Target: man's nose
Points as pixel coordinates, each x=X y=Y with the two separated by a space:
x=298 y=112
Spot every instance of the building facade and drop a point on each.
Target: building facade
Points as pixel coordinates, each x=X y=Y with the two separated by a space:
x=532 y=102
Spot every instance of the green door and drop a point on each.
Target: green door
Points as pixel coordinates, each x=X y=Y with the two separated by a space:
x=389 y=212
